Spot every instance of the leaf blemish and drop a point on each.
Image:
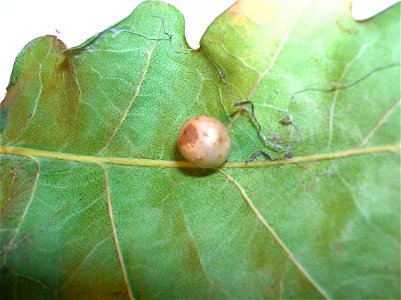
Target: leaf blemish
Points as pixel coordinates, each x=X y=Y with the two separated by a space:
x=344 y=29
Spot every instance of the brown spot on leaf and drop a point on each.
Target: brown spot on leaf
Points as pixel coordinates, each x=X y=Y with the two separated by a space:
x=344 y=28
x=117 y=294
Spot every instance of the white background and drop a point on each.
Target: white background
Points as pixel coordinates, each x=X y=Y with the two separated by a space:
x=73 y=21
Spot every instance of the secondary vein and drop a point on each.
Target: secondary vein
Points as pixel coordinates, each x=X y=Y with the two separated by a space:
x=114 y=234
x=276 y=237
x=10 y=244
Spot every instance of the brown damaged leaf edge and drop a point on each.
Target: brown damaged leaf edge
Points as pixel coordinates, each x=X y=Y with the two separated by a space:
x=26 y=152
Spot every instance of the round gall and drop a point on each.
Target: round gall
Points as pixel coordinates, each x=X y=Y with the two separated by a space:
x=205 y=141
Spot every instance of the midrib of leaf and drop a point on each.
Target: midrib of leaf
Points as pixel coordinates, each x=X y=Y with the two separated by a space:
x=276 y=237
x=157 y=163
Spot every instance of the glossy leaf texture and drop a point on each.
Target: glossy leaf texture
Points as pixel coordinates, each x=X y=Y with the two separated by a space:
x=96 y=202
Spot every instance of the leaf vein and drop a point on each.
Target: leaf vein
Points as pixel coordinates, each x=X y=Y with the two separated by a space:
x=33 y=113
x=134 y=97
x=9 y=246
x=275 y=236
x=86 y=258
x=278 y=51
x=201 y=264
x=241 y=60
x=379 y=123
x=363 y=214
x=28 y=152
x=114 y=234
x=337 y=92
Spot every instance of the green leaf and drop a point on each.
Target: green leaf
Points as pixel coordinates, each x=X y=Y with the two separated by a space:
x=96 y=202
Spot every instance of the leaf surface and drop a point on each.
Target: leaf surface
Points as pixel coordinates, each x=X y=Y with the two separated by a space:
x=96 y=201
